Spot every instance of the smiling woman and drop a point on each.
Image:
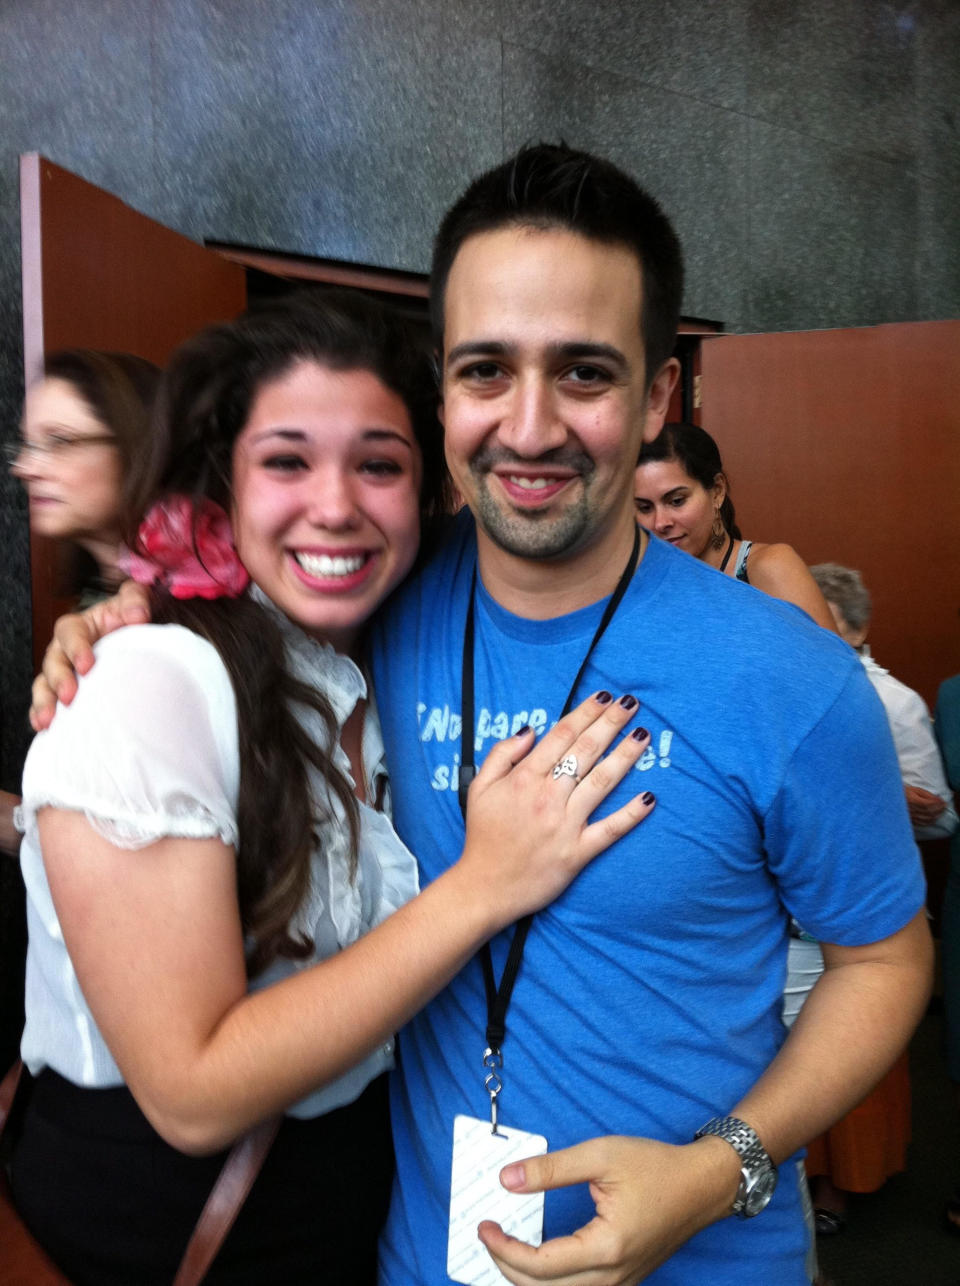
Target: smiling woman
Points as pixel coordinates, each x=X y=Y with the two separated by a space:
x=326 y=475
x=219 y=905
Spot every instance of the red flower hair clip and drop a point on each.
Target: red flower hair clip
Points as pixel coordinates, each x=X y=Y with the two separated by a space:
x=188 y=549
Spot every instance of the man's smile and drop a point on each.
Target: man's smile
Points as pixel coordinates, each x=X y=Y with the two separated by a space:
x=533 y=486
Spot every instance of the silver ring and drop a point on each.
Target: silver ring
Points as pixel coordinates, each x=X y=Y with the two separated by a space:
x=567 y=767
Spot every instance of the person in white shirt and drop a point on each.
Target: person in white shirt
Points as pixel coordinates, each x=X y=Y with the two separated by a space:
x=849 y=1157
x=929 y=798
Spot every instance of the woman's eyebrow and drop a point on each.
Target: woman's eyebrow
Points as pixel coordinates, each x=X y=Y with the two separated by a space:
x=387 y=434
x=57 y=426
x=288 y=435
x=303 y=435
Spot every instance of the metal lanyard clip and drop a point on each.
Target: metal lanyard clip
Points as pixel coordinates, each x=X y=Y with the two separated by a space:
x=493 y=1082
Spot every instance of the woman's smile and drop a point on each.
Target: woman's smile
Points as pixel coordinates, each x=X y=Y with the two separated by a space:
x=326 y=482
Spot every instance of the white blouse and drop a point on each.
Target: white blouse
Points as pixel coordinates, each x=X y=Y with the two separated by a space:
x=147 y=749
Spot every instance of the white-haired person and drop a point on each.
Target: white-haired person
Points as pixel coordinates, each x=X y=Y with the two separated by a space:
x=929 y=798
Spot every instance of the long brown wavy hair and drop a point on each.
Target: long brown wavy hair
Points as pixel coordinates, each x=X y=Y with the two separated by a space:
x=203 y=404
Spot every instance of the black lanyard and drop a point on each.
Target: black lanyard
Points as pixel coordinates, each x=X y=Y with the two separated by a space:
x=498 y=998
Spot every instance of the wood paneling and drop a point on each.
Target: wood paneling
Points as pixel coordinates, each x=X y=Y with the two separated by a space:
x=846 y=444
x=303 y=268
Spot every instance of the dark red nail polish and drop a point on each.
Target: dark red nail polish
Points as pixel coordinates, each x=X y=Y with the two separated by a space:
x=520 y=731
x=639 y=734
x=603 y=697
x=648 y=797
x=628 y=703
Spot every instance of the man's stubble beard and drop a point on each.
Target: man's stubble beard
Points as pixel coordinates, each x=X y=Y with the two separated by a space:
x=533 y=535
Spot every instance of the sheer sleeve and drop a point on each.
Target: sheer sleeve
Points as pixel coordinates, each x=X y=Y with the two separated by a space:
x=148 y=748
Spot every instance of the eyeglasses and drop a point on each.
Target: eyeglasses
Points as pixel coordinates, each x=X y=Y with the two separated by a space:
x=54 y=445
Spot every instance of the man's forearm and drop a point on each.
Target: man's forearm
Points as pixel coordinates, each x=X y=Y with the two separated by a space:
x=651 y=1197
x=854 y=1024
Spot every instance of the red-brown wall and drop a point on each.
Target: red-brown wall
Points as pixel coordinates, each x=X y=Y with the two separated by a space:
x=846 y=444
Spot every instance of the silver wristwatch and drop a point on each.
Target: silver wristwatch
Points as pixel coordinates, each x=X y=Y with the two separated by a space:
x=758 y=1174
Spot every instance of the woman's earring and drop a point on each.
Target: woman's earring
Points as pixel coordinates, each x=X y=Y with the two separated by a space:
x=718 y=532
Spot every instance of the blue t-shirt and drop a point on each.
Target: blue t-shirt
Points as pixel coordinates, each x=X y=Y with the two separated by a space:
x=650 y=992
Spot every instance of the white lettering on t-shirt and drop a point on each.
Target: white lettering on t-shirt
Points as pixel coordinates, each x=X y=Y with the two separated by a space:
x=440 y=723
x=495 y=725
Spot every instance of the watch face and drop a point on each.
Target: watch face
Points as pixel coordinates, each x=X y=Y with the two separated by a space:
x=759 y=1191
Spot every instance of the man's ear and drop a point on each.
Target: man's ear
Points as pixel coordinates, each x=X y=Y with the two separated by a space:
x=438 y=373
x=658 y=399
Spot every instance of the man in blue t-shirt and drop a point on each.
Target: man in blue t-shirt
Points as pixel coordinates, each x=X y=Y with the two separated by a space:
x=647 y=999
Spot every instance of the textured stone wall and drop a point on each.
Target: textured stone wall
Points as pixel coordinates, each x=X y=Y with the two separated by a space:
x=807 y=152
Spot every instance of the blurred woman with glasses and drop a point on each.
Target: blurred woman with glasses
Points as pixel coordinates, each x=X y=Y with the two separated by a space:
x=84 y=458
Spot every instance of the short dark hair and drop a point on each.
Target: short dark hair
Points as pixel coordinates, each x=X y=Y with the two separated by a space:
x=213 y=378
x=120 y=389
x=699 y=456
x=553 y=186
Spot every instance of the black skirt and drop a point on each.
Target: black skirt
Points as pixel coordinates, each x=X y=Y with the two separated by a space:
x=114 y=1205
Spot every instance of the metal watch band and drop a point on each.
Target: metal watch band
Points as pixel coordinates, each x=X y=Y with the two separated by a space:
x=742 y=1137
x=754 y=1158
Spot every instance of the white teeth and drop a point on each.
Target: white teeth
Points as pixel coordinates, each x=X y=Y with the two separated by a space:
x=531 y=484
x=325 y=565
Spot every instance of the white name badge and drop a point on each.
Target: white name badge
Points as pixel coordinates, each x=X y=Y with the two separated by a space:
x=477 y=1194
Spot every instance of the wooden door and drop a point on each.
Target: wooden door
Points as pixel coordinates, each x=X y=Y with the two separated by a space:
x=98 y=274
x=846 y=444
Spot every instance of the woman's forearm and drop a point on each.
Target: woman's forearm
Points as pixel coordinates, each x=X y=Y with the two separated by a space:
x=156 y=943
x=274 y=1046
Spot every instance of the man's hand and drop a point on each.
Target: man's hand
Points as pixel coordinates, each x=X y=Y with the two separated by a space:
x=650 y=1197
x=71 y=651
x=923 y=806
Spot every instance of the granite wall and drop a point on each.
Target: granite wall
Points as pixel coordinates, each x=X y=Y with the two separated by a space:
x=808 y=153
